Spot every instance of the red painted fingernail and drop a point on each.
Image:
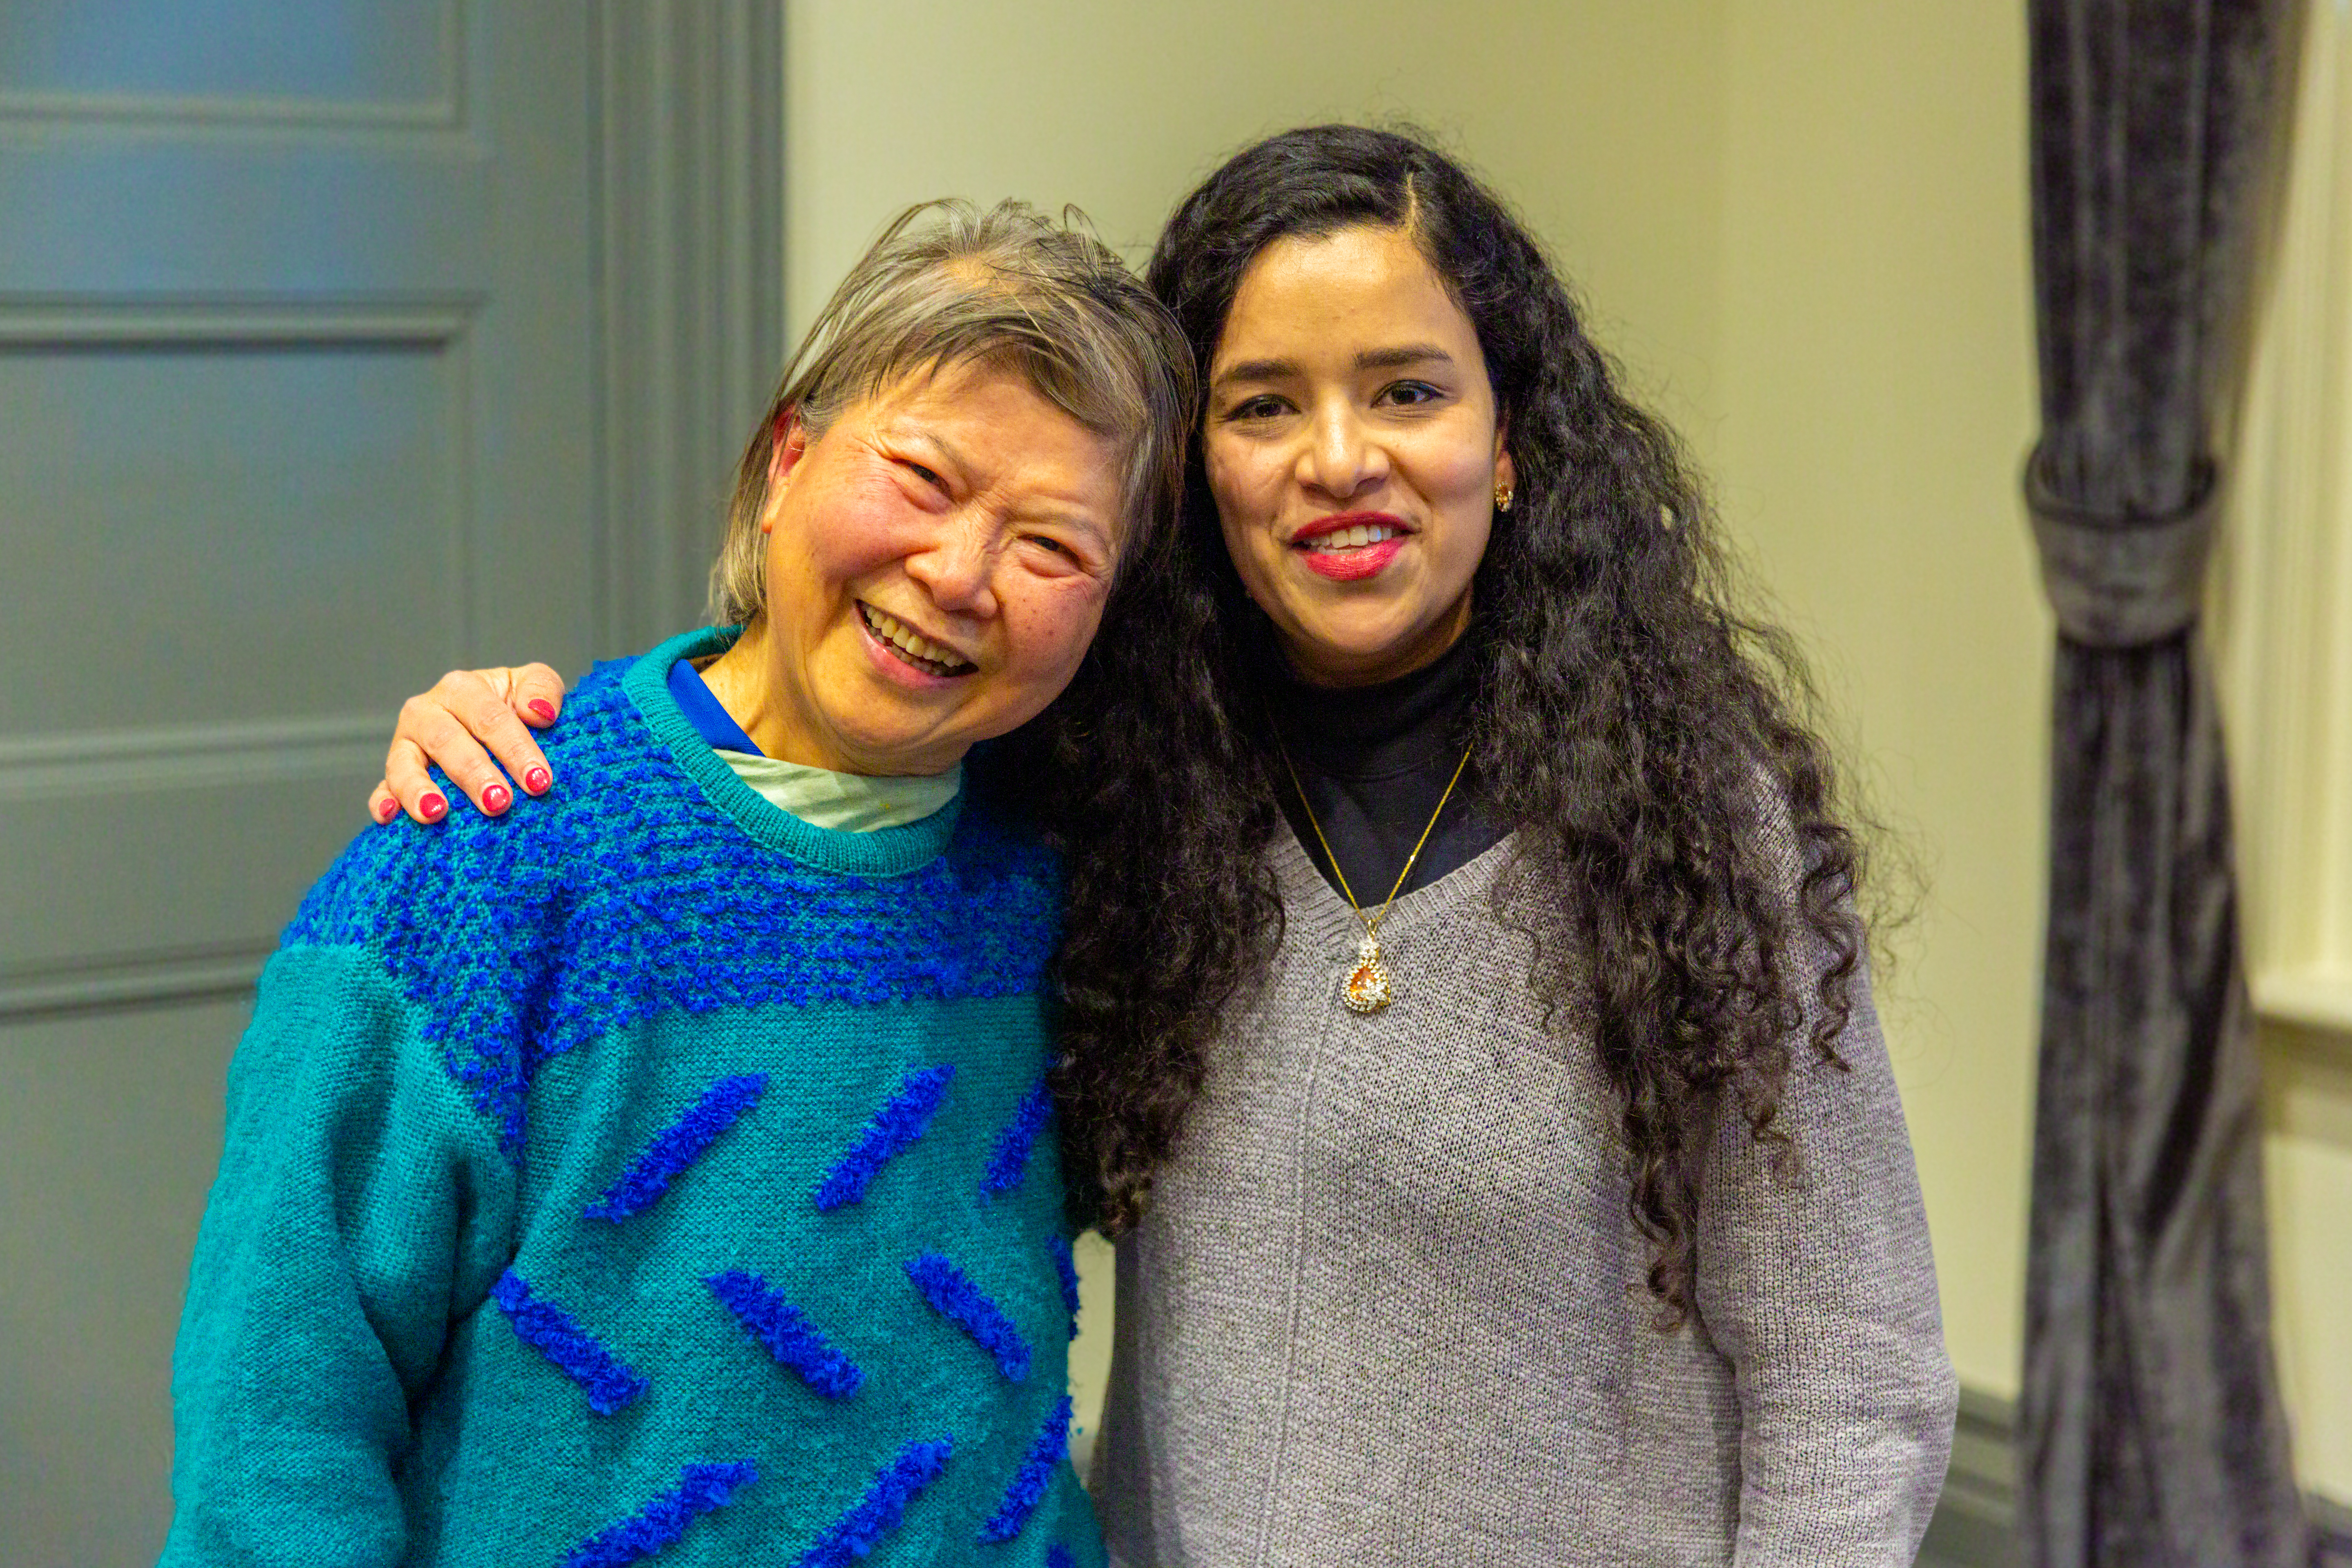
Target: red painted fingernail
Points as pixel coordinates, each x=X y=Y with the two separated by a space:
x=536 y=780
x=496 y=798
x=544 y=709
x=388 y=810
x=434 y=807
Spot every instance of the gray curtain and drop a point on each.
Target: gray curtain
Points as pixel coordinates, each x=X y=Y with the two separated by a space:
x=2150 y=1426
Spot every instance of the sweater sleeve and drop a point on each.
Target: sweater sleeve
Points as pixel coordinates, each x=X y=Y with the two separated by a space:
x=362 y=1208
x=1816 y=1280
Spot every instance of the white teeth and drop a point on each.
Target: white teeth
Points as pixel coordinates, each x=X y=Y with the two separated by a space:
x=1355 y=538
x=891 y=629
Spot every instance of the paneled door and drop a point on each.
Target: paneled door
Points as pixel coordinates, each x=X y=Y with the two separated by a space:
x=298 y=407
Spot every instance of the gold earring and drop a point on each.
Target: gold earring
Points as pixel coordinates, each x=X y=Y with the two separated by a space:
x=1503 y=494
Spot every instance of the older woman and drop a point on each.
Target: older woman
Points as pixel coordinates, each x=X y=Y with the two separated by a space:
x=667 y=1167
x=1465 y=1017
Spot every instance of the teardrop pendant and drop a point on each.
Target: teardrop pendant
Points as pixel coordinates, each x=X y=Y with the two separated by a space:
x=1367 y=990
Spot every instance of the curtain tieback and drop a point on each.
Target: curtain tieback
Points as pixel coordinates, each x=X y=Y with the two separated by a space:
x=2123 y=582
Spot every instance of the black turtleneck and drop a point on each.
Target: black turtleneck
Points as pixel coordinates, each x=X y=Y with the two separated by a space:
x=1374 y=762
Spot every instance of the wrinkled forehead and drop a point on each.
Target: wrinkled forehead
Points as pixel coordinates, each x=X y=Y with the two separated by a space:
x=990 y=421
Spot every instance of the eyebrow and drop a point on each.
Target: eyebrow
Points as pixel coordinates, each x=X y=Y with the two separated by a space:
x=910 y=431
x=1054 y=511
x=1396 y=358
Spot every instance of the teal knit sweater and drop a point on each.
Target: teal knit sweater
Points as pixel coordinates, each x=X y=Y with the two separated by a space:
x=649 y=1172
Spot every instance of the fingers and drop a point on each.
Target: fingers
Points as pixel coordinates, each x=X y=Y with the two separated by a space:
x=410 y=788
x=441 y=727
x=471 y=725
x=429 y=734
x=537 y=695
x=493 y=706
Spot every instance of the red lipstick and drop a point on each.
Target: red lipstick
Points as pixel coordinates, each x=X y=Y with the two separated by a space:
x=1355 y=562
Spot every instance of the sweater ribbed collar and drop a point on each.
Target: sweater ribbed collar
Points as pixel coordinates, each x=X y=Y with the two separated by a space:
x=882 y=852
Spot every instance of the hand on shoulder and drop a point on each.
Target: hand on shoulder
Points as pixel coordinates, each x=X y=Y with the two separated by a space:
x=476 y=726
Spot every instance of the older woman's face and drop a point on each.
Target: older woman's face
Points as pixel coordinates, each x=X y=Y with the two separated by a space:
x=1354 y=448
x=937 y=562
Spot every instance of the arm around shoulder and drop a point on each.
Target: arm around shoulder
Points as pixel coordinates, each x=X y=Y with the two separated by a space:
x=361 y=1206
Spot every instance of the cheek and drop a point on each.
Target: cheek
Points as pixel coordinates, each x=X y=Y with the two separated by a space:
x=848 y=532
x=1466 y=546
x=1245 y=483
x=1246 y=517
x=1051 y=629
x=1457 y=477
x=1461 y=470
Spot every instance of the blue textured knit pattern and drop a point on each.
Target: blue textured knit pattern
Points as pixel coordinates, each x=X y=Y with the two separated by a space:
x=662 y=1521
x=787 y=1333
x=651 y=882
x=569 y=1348
x=950 y=1291
x=679 y=1145
x=899 y=1123
x=574 y=1165
x=878 y=1513
x=1066 y=1270
x=1010 y=1160
x=1036 y=1470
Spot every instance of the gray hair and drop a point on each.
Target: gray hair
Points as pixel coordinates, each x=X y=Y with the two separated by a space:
x=947 y=285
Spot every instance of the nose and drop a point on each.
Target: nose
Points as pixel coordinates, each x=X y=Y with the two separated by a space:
x=957 y=567
x=1341 y=457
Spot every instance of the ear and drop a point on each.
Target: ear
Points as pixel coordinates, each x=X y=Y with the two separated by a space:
x=785 y=454
x=1507 y=476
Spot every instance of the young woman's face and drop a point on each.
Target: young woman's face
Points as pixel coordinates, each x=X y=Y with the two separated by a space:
x=1353 y=449
x=936 y=564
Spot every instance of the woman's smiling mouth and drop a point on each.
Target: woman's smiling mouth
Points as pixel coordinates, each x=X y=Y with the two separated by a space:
x=905 y=643
x=1350 y=546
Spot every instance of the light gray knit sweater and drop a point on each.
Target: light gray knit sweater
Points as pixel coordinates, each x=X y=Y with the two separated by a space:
x=1388 y=1307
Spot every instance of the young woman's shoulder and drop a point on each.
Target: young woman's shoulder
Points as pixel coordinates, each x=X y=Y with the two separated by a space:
x=470 y=882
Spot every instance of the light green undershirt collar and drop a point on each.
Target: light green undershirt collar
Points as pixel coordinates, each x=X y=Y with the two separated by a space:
x=883 y=852
x=845 y=803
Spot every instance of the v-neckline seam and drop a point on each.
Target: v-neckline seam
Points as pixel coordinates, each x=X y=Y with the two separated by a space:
x=1295 y=871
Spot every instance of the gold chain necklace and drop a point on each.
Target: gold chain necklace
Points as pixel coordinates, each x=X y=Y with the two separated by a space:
x=1368 y=989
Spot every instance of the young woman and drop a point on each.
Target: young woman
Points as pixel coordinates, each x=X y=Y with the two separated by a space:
x=1464 y=1025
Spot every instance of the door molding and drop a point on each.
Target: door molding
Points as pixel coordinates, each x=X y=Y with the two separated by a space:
x=672 y=223
x=690 y=290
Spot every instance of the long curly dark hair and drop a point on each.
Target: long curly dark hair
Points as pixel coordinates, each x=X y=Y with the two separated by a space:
x=1646 y=740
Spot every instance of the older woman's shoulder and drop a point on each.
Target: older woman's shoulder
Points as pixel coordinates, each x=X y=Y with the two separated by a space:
x=394 y=886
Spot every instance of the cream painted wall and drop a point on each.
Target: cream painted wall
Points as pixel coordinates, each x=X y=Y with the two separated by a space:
x=1802 y=223
x=1602 y=121
x=1877 y=380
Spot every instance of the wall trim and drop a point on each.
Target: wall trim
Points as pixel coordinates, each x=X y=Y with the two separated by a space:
x=2315 y=998
x=1975 y=1520
x=443 y=111
x=36 y=322
x=221 y=972
x=689 y=106
x=2280 y=604
x=175 y=757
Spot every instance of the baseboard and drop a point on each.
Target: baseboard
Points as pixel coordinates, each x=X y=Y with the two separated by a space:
x=1976 y=1521
x=2331 y=1523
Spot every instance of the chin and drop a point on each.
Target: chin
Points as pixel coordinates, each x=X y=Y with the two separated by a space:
x=1359 y=644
